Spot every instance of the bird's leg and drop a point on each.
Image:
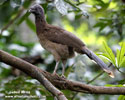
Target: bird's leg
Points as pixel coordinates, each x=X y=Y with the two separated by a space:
x=57 y=63
x=63 y=68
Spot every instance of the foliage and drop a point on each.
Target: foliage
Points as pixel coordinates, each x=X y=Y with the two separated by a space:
x=119 y=60
x=109 y=54
x=27 y=87
x=93 y=21
x=121 y=56
x=121 y=97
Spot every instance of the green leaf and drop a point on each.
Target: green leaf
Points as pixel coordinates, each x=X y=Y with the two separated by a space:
x=120 y=55
x=121 y=81
x=122 y=64
x=31 y=24
x=106 y=55
x=68 y=71
x=26 y=3
x=110 y=85
x=23 y=18
x=121 y=97
x=61 y=7
x=68 y=94
x=101 y=25
x=78 y=16
x=49 y=98
x=98 y=24
x=109 y=54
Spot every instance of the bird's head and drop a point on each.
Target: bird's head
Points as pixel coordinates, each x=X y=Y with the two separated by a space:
x=36 y=10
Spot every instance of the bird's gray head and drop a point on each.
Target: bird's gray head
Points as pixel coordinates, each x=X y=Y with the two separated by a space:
x=37 y=10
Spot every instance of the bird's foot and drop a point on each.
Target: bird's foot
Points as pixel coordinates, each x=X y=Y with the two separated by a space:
x=63 y=76
x=54 y=73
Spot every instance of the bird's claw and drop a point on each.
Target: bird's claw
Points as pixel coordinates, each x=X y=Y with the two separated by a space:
x=54 y=73
x=63 y=76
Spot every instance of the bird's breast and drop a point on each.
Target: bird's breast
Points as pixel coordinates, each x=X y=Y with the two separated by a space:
x=62 y=50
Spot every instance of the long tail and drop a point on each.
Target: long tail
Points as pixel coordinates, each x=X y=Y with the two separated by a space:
x=92 y=56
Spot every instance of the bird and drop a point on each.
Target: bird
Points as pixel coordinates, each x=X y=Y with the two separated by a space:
x=61 y=43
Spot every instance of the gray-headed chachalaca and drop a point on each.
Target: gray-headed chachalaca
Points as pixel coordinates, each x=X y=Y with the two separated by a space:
x=61 y=43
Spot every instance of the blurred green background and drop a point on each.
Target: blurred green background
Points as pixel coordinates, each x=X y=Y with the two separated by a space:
x=93 y=21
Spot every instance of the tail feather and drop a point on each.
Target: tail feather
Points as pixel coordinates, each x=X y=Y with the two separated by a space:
x=92 y=56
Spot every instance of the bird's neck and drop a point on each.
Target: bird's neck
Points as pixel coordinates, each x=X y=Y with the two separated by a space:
x=40 y=22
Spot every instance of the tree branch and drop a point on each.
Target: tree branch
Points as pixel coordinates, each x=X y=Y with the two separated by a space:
x=34 y=59
x=57 y=81
x=32 y=71
x=31 y=59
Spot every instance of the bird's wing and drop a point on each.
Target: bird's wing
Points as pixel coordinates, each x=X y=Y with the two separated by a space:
x=61 y=36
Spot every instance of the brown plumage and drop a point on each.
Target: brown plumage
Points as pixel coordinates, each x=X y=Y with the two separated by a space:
x=61 y=43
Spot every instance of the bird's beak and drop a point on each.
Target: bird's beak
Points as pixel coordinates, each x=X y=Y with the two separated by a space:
x=31 y=10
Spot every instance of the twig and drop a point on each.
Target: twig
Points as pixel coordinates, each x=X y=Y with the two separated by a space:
x=97 y=75
x=34 y=59
x=57 y=81
x=120 y=71
x=72 y=5
x=91 y=81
